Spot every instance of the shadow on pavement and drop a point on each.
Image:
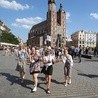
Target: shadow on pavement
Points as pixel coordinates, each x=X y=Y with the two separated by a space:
x=43 y=79
x=92 y=60
x=53 y=80
x=88 y=75
x=76 y=61
x=15 y=80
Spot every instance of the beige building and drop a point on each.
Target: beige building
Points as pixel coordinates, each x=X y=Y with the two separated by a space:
x=84 y=38
x=3 y=27
x=52 y=31
x=97 y=40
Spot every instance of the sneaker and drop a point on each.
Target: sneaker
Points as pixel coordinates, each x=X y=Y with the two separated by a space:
x=69 y=82
x=23 y=76
x=34 y=89
x=65 y=84
x=48 y=91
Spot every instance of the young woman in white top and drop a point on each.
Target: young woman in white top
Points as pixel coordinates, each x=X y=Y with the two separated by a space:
x=48 y=60
x=68 y=63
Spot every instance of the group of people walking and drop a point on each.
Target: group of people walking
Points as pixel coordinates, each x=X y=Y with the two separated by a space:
x=47 y=57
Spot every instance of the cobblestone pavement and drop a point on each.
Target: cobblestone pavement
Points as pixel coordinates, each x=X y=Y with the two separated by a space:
x=84 y=81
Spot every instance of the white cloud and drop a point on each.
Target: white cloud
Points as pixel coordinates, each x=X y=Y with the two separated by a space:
x=27 y=23
x=67 y=15
x=94 y=15
x=13 y=5
x=14 y=24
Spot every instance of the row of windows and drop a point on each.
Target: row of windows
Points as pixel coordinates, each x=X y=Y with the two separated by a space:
x=81 y=42
x=88 y=38
x=88 y=35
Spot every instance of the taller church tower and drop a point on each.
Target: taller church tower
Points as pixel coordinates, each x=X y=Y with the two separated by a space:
x=52 y=20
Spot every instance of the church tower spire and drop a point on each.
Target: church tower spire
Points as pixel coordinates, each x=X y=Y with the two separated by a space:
x=51 y=5
x=51 y=1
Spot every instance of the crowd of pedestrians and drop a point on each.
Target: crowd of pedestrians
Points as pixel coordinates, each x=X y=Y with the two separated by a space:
x=47 y=56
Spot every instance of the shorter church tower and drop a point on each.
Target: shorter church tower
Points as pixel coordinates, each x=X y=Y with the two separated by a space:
x=61 y=20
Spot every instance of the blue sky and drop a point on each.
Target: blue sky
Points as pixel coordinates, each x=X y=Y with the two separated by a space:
x=21 y=15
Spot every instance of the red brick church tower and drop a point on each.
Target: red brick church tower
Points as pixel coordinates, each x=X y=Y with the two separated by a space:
x=52 y=20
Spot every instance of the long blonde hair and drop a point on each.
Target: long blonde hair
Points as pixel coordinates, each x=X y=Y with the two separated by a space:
x=21 y=46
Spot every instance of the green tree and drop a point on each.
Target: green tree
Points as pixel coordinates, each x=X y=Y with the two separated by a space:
x=8 y=38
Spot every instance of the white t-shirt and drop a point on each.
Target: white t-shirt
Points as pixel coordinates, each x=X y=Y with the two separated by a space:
x=49 y=58
x=21 y=53
x=69 y=58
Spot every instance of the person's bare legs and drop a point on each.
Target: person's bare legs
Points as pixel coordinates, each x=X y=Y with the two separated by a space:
x=69 y=80
x=66 y=80
x=35 y=79
x=46 y=77
x=48 y=80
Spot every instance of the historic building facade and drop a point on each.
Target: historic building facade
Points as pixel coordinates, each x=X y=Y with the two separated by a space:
x=52 y=31
x=97 y=40
x=84 y=38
